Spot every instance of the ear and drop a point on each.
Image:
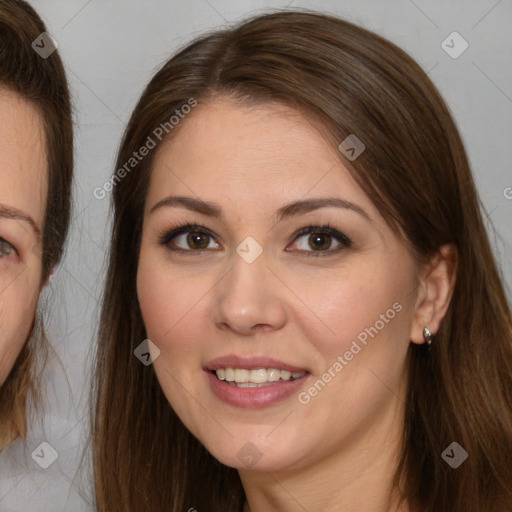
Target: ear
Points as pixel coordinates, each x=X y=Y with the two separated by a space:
x=437 y=281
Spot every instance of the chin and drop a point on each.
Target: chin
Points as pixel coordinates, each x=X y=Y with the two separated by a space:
x=254 y=454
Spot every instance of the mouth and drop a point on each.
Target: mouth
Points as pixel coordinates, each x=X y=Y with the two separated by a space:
x=255 y=378
x=254 y=382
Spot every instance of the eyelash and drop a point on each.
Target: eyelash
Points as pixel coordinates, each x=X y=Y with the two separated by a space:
x=166 y=237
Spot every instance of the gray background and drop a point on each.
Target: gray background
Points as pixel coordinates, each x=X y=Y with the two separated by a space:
x=111 y=49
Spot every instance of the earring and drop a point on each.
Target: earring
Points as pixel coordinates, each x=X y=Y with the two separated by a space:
x=427 y=336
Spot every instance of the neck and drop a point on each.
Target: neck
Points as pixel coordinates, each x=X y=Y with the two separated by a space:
x=355 y=477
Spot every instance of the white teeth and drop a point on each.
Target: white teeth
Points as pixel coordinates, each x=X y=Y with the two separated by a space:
x=241 y=375
x=273 y=374
x=249 y=384
x=253 y=378
x=258 y=376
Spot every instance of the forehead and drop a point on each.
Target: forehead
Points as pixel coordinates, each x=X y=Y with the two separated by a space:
x=224 y=148
x=23 y=160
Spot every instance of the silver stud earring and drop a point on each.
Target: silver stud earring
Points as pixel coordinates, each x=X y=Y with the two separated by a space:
x=427 y=336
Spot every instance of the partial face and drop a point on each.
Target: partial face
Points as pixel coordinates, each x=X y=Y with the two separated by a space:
x=283 y=330
x=23 y=188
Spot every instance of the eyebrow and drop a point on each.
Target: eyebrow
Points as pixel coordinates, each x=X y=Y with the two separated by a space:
x=290 y=210
x=8 y=212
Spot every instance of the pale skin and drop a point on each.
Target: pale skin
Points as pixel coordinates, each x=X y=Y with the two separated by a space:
x=23 y=189
x=336 y=452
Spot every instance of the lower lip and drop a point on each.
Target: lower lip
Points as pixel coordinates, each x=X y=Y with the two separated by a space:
x=254 y=397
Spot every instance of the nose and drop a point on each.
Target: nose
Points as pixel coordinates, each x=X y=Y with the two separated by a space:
x=249 y=299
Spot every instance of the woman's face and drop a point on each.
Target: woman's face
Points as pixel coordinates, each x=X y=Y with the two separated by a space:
x=318 y=318
x=23 y=186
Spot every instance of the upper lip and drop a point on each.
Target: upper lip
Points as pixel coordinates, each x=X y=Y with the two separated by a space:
x=251 y=363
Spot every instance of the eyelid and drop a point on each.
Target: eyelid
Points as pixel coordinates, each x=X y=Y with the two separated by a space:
x=169 y=234
x=326 y=229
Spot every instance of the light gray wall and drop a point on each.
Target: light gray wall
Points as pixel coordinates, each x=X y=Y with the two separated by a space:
x=111 y=49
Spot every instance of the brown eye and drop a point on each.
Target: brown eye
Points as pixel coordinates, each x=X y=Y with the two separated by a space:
x=188 y=238
x=320 y=241
x=197 y=240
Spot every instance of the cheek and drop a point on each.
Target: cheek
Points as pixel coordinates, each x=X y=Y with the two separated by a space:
x=175 y=318
x=360 y=345
x=18 y=303
x=370 y=313
x=358 y=303
x=170 y=305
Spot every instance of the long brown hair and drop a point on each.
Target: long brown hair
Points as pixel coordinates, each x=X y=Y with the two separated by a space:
x=416 y=172
x=42 y=82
